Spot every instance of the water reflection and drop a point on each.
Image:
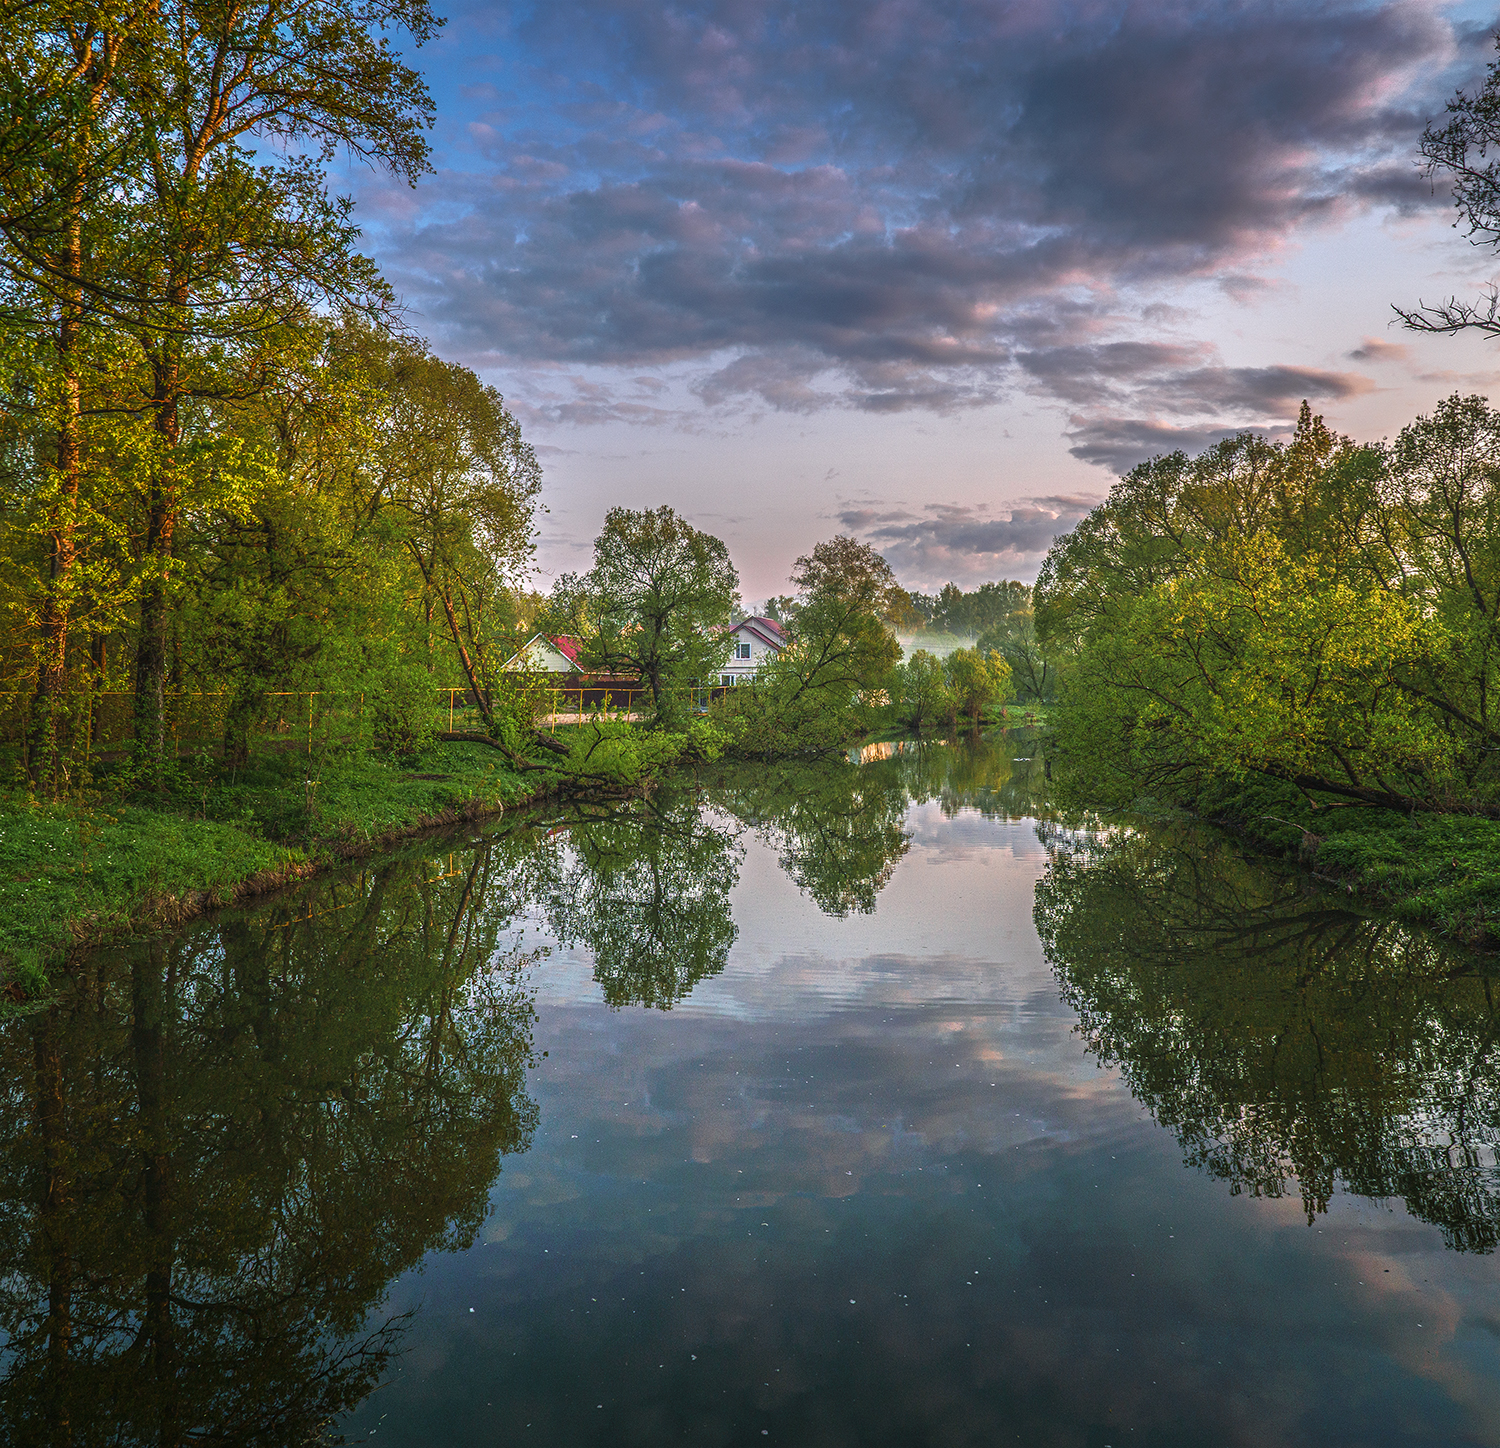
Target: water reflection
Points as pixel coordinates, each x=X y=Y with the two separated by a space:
x=863 y=1160
x=218 y=1150
x=645 y=889
x=1289 y=1043
x=837 y=832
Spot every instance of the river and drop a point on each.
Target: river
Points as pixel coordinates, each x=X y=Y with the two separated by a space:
x=867 y=1104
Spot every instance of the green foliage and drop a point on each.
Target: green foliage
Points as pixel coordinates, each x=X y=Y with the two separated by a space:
x=919 y=690
x=1439 y=870
x=1035 y=671
x=404 y=717
x=1315 y=612
x=977 y=682
x=613 y=753
x=220 y=472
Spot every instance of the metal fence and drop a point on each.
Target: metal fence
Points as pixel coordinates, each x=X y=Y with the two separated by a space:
x=103 y=721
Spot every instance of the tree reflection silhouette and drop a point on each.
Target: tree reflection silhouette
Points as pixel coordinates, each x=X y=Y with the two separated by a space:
x=837 y=829
x=646 y=890
x=1289 y=1043
x=218 y=1150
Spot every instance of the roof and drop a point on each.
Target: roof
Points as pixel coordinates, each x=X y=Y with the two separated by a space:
x=564 y=644
x=767 y=630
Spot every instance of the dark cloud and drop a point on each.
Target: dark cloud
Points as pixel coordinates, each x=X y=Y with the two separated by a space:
x=1119 y=443
x=910 y=203
x=964 y=545
x=1119 y=382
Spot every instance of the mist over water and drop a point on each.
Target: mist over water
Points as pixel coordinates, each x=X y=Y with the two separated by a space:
x=864 y=1104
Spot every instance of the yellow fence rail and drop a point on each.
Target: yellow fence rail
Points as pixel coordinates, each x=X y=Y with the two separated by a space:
x=103 y=720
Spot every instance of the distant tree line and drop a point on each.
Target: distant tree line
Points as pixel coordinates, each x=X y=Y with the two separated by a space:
x=998 y=618
x=968 y=615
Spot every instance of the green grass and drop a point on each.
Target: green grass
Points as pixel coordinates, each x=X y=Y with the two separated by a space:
x=92 y=869
x=61 y=864
x=354 y=798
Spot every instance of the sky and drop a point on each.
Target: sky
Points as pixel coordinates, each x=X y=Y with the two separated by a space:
x=928 y=272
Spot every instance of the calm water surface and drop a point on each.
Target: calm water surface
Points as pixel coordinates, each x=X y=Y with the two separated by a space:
x=848 y=1106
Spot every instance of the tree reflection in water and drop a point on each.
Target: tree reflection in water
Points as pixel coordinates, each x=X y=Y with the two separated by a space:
x=218 y=1150
x=1285 y=1040
x=837 y=829
x=645 y=889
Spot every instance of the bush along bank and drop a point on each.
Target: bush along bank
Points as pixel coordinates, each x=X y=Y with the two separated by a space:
x=74 y=874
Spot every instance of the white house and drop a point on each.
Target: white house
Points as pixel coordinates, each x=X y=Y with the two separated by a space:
x=755 y=641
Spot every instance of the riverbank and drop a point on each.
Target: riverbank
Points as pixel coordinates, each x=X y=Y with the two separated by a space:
x=1441 y=871
x=77 y=874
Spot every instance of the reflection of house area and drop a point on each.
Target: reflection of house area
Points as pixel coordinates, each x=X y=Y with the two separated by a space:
x=753 y=641
x=888 y=749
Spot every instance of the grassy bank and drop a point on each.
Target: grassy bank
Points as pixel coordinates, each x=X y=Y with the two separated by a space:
x=1437 y=870
x=80 y=873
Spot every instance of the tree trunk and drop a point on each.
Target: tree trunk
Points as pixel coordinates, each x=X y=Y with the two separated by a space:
x=49 y=709
x=481 y=696
x=161 y=522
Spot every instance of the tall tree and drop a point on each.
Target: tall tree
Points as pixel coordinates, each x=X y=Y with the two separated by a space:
x=232 y=248
x=63 y=139
x=656 y=602
x=452 y=467
x=816 y=693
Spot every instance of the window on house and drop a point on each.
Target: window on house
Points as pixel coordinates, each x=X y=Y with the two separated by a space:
x=726 y=680
x=742 y=651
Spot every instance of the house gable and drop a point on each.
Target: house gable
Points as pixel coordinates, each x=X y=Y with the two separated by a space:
x=755 y=641
x=544 y=655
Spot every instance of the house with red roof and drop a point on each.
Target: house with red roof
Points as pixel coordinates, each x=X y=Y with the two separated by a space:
x=755 y=641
